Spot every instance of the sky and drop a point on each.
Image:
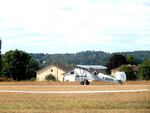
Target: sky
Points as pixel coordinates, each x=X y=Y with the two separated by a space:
x=70 y=26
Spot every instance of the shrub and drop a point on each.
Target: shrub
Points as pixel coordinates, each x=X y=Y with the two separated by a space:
x=144 y=73
x=50 y=77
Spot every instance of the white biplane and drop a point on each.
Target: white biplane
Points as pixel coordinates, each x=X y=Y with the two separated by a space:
x=88 y=73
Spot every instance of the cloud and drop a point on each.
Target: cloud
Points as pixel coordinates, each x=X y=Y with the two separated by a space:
x=74 y=25
x=143 y=41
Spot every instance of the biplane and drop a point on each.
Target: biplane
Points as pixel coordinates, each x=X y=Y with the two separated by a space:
x=88 y=73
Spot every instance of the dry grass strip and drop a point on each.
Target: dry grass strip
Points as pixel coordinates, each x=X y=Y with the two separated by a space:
x=73 y=103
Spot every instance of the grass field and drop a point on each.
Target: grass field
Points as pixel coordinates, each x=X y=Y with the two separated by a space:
x=135 y=102
x=73 y=83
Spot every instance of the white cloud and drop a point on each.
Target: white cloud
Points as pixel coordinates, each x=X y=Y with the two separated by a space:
x=143 y=41
x=75 y=24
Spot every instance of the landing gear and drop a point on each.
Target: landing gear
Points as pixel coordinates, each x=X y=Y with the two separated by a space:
x=82 y=82
x=120 y=82
x=85 y=82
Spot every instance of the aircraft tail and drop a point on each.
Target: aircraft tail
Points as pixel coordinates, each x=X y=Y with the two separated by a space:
x=120 y=76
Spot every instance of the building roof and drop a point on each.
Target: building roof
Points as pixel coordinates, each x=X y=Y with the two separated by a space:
x=134 y=68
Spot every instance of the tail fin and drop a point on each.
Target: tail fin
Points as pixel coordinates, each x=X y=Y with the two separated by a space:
x=121 y=76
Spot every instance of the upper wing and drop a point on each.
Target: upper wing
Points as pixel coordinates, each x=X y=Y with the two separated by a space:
x=95 y=67
x=83 y=67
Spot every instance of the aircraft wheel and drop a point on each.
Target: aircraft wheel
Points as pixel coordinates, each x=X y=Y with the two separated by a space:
x=82 y=82
x=87 y=82
x=120 y=82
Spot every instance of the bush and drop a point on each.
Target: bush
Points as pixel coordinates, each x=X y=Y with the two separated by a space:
x=50 y=77
x=144 y=70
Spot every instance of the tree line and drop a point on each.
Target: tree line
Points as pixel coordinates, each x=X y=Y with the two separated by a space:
x=86 y=57
x=19 y=65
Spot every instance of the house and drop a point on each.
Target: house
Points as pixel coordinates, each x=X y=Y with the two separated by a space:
x=55 y=70
x=114 y=71
x=133 y=67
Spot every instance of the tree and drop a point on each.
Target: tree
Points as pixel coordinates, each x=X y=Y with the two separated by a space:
x=31 y=67
x=115 y=61
x=131 y=59
x=144 y=70
x=18 y=65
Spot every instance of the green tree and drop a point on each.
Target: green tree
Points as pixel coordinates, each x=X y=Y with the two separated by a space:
x=50 y=77
x=115 y=61
x=31 y=67
x=131 y=60
x=18 y=65
x=144 y=70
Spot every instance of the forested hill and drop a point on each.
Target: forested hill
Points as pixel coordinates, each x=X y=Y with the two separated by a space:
x=139 y=55
x=86 y=57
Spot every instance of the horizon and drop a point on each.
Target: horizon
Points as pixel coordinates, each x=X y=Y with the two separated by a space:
x=84 y=51
x=62 y=26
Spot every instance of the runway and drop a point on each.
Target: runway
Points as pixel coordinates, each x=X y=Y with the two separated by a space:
x=72 y=92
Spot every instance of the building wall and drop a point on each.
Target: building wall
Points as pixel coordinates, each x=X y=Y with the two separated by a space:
x=58 y=73
x=113 y=72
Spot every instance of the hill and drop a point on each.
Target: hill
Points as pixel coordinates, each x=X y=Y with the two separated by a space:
x=86 y=57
